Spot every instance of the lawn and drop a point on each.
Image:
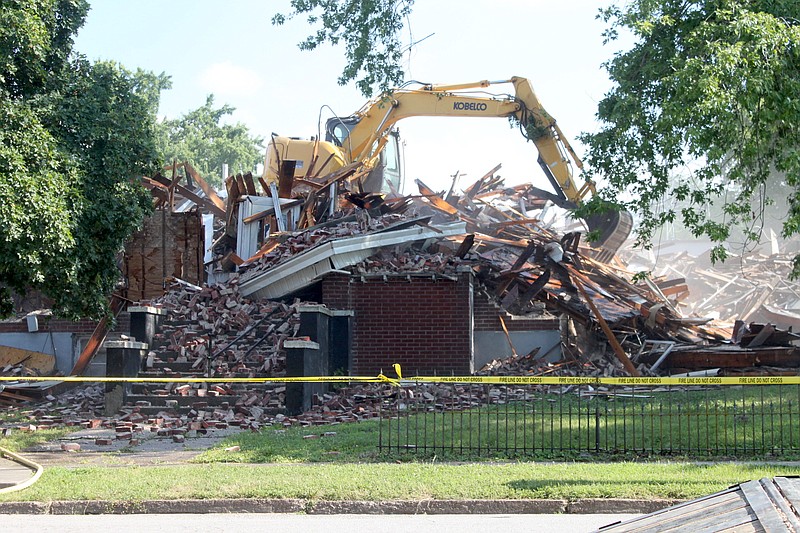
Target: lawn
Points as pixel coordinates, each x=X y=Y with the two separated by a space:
x=428 y=452
x=406 y=481
x=728 y=422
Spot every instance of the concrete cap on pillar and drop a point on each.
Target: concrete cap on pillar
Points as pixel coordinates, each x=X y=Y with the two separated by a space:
x=297 y=343
x=147 y=309
x=126 y=345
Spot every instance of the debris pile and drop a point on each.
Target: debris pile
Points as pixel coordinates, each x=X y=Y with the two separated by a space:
x=515 y=257
x=754 y=287
x=217 y=331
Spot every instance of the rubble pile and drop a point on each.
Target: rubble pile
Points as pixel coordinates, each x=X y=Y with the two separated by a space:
x=754 y=287
x=218 y=331
x=277 y=250
x=13 y=395
x=18 y=369
x=515 y=256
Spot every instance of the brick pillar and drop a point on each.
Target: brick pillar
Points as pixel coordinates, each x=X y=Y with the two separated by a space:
x=303 y=358
x=145 y=322
x=331 y=329
x=123 y=359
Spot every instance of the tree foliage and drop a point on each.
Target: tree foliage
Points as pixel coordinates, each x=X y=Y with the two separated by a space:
x=704 y=110
x=201 y=137
x=73 y=136
x=369 y=30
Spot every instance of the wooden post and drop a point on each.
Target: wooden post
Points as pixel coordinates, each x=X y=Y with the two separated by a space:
x=612 y=340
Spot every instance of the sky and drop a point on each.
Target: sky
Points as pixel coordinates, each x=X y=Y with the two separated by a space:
x=231 y=50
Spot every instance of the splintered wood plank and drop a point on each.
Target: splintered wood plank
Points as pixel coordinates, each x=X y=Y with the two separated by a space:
x=765 y=333
x=266 y=248
x=721 y=502
x=264 y=185
x=521 y=260
x=473 y=189
x=199 y=200
x=465 y=245
x=44 y=363
x=98 y=336
x=8 y=395
x=250 y=186
x=730 y=358
x=241 y=185
x=436 y=200
x=612 y=340
x=790 y=487
x=784 y=507
x=209 y=191
x=762 y=506
x=508 y=337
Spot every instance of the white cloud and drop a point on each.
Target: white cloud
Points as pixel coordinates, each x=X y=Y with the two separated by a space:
x=227 y=79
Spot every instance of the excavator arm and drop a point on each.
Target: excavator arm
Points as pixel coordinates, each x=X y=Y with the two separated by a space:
x=556 y=156
x=363 y=136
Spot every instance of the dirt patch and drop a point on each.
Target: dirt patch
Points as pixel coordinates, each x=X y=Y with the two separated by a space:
x=146 y=448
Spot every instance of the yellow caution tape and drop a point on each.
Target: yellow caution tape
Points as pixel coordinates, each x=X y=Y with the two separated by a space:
x=640 y=381
x=220 y=379
x=466 y=380
x=489 y=380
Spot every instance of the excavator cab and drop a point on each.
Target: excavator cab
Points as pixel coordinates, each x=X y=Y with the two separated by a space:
x=386 y=176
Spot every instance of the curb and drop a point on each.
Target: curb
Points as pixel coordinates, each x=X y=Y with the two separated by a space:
x=587 y=506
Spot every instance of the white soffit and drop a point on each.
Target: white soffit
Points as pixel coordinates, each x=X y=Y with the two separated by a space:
x=302 y=269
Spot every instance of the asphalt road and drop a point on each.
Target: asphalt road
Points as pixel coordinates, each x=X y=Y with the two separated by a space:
x=287 y=523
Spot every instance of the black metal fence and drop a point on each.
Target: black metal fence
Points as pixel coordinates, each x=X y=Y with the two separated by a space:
x=462 y=420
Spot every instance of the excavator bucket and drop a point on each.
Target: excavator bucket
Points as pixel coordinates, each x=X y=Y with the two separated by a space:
x=614 y=228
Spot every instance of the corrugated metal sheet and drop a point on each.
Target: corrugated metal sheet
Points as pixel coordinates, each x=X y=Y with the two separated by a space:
x=769 y=505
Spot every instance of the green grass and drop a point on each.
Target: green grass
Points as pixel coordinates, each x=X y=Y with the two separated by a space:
x=408 y=481
x=730 y=422
x=353 y=442
x=19 y=439
x=725 y=422
x=346 y=464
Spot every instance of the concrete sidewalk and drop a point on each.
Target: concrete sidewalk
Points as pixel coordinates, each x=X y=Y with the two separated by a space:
x=12 y=473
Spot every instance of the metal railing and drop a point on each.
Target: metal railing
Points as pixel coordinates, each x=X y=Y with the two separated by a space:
x=461 y=420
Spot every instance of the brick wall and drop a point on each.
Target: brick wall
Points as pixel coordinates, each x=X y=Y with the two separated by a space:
x=420 y=323
x=168 y=245
x=487 y=318
x=57 y=325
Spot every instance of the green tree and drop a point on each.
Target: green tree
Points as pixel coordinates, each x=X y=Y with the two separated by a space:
x=705 y=110
x=201 y=138
x=73 y=137
x=369 y=30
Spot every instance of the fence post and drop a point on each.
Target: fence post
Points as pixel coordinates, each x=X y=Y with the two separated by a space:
x=597 y=429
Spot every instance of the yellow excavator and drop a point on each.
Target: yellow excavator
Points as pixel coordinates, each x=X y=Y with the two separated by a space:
x=369 y=137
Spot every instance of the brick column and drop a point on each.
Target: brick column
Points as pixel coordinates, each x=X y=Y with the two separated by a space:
x=123 y=359
x=145 y=321
x=303 y=358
